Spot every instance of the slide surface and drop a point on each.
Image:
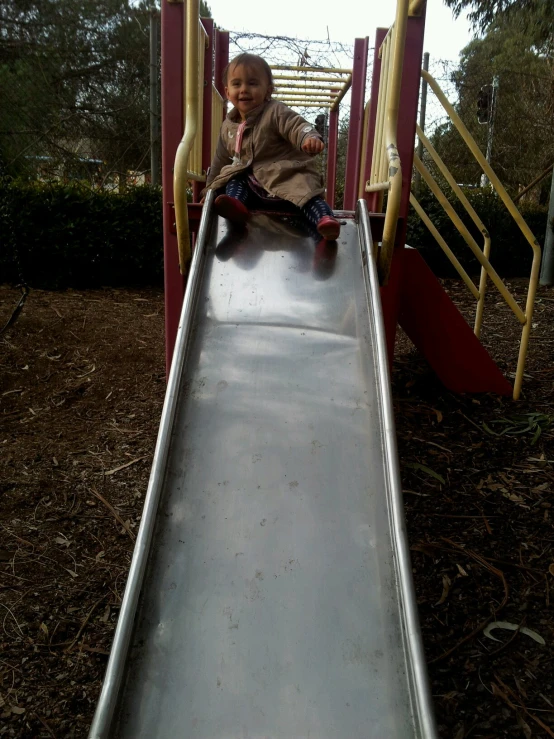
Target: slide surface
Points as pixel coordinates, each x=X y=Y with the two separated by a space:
x=277 y=599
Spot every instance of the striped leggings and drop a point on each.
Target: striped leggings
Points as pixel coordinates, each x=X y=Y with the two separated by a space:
x=314 y=210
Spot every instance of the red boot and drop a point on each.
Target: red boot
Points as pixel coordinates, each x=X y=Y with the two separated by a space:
x=231 y=208
x=328 y=227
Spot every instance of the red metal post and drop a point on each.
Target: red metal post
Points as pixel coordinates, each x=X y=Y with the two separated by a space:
x=332 y=142
x=172 y=131
x=372 y=198
x=207 y=109
x=221 y=59
x=355 y=132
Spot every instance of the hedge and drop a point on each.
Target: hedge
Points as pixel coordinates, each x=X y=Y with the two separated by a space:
x=70 y=236
x=511 y=254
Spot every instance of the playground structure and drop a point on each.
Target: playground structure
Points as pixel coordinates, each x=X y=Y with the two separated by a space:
x=270 y=590
x=380 y=157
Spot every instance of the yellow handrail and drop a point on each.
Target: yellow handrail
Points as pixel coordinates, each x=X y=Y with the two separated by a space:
x=447 y=250
x=180 y=177
x=394 y=165
x=525 y=317
x=416 y=6
x=475 y=218
x=468 y=238
x=195 y=170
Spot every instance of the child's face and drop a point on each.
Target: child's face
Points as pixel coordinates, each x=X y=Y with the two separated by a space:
x=247 y=88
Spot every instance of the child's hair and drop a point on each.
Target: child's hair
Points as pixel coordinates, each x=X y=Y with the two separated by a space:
x=253 y=61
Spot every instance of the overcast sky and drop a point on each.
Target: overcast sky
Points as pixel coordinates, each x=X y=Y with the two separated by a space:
x=345 y=19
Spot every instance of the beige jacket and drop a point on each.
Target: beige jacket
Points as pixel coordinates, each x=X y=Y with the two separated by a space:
x=271 y=151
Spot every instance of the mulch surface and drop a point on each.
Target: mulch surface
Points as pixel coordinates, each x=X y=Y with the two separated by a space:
x=82 y=383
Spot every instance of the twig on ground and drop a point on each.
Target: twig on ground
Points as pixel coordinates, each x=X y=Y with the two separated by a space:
x=502 y=694
x=110 y=507
x=85 y=622
x=495 y=571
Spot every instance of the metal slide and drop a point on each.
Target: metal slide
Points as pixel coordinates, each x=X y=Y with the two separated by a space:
x=276 y=599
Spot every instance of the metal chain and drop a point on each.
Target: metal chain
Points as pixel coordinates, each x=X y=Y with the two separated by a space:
x=11 y=240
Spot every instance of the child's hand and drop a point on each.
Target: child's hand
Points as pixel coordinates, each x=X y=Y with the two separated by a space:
x=313 y=145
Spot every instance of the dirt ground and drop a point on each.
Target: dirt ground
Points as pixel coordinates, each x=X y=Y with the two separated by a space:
x=82 y=382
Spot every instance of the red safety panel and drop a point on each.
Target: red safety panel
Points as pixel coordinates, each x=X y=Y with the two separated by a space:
x=439 y=331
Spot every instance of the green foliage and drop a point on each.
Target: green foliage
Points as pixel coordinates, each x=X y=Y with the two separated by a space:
x=533 y=423
x=532 y=17
x=511 y=255
x=74 y=85
x=523 y=140
x=70 y=236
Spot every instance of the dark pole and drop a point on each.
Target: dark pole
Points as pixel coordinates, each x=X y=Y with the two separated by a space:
x=422 y=111
x=547 y=267
x=154 y=115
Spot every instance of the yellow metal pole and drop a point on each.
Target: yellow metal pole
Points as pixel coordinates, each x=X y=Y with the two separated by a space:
x=293 y=92
x=444 y=246
x=380 y=117
x=394 y=168
x=468 y=238
x=288 y=68
x=304 y=103
x=516 y=215
x=180 y=178
x=296 y=78
x=474 y=217
x=347 y=85
x=416 y=6
x=485 y=166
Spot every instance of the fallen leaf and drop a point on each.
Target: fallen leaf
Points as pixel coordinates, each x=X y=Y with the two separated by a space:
x=100 y=555
x=427 y=470
x=446 y=583
x=17 y=710
x=524 y=726
x=513 y=497
x=461 y=570
x=44 y=628
x=551 y=569
x=62 y=541
x=512 y=627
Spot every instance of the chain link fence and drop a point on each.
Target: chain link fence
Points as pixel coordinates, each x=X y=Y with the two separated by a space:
x=74 y=85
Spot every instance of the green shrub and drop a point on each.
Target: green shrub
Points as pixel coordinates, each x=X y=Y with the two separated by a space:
x=68 y=235
x=511 y=254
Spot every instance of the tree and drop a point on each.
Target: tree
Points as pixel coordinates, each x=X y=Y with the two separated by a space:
x=74 y=85
x=523 y=142
x=534 y=18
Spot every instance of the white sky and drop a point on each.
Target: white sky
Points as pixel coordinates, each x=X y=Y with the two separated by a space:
x=346 y=20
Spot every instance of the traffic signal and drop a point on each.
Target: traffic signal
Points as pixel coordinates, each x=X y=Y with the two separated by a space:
x=484 y=104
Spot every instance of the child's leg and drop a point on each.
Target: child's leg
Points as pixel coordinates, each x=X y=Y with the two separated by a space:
x=320 y=216
x=233 y=204
x=238 y=188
